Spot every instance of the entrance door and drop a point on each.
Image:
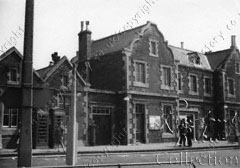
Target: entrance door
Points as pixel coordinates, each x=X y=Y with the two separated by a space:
x=140 y=112
x=42 y=136
x=102 y=129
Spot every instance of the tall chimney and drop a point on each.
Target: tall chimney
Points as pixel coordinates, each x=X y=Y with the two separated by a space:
x=85 y=42
x=182 y=45
x=233 y=41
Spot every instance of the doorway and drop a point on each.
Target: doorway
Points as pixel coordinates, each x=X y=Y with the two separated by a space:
x=140 y=124
x=102 y=122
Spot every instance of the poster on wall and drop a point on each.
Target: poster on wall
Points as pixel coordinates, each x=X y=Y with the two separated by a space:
x=154 y=122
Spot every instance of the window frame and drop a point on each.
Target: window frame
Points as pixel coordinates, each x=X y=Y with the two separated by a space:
x=180 y=82
x=237 y=67
x=166 y=133
x=163 y=86
x=9 y=74
x=10 y=117
x=205 y=86
x=228 y=87
x=101 y=107
x=192 y=92
x=135 y=73
x=150 y=47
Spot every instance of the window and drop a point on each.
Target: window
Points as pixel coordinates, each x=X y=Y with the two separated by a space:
x=237 y=68
x=65 y=80
x=194 y=58
x=193 y=83
x=101 y=110
x=168 y=123
x=10 y=117
x=167 y=76
x=13 y=76
x=140 y=108
x=230 y=86
x=140 y=72
x=208 y=85
x=153 y=47
x=179 y=81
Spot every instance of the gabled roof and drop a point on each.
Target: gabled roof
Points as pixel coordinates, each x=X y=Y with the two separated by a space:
x=115 y=42
x=218 y=58
x=46 y=72
x=10 y=51
x=182 y=55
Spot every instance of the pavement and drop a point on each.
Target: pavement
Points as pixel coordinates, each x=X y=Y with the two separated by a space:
x=153 y=147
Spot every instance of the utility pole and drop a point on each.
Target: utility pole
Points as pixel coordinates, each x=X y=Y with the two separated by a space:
x=72 y=133
x=25 y=144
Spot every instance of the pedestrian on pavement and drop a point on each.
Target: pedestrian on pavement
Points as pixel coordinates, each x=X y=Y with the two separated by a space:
x=18 y=136
x=201 y=131
x=59 y=135
x=189 y=134
x=182 y=132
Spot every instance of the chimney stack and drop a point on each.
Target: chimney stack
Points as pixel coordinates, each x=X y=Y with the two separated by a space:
x=84 y=48
x=233 y=41
x=82 y=24
x=182 y=45
x=55 y=57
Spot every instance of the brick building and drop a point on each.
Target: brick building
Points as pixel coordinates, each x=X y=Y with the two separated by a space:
x=154 y=84
x=134 y=88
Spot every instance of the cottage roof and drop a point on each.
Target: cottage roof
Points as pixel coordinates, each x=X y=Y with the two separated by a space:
x=46 y=72
x=182 y=55
x=218 y=58
x=10 y=51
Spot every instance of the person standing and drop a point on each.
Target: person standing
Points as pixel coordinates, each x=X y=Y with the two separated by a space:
x=59 y=135
x=189 y=134
x=182 y=132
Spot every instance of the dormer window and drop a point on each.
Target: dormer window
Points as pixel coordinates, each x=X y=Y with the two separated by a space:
x=194 y=58
x=153 y=48
x=13 y=76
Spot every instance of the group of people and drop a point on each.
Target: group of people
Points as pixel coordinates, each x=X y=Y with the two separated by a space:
x=185 y=132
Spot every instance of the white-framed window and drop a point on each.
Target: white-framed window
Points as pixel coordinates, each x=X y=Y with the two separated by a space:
x=237 y=67
x=101 y=110
x=10 y=117
x=207 y=86
x=13 y=75
x=193 y=84
x=153 y=44
x=166 y=77
x=140 y=73
x=231 y=87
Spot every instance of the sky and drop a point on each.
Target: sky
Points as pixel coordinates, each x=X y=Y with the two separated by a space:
x=202 y=25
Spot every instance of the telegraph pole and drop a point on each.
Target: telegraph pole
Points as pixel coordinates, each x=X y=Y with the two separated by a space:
x=25 y=144
x=71 y=157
